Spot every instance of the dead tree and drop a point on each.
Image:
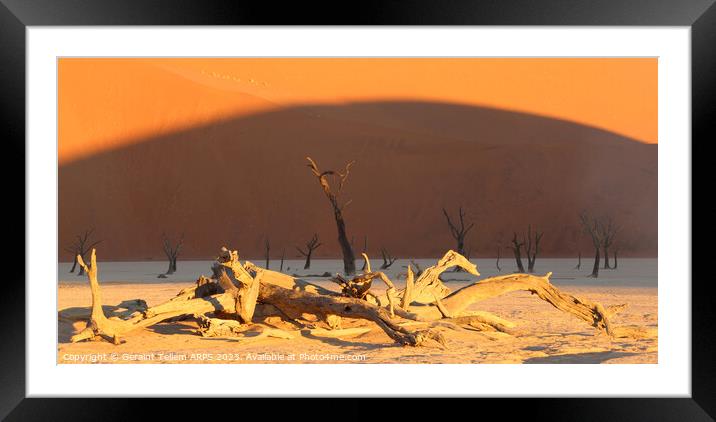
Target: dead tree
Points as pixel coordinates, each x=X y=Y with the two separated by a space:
x=579 y=261
x=171 y=250
x=81 y=246
x=417 y=267
x=594 y=228
x=615 y=259
x=388 y=260
x=283 y=255
x=267 y=246
x=409 y=316
x=458 y=231
x=349 y=265
x=311 y=246
x=609 y=232
x=365 y=250
x=497 y=264
x=517 y=250
x=532 y=248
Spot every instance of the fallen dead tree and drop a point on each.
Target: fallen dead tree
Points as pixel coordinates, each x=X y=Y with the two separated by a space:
x=227 y=303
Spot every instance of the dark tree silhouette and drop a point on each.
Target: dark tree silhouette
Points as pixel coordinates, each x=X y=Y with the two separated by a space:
x=267 y=244
x=517 y=250
x=81 y=246
x=364 y=251
x=311 y=246
x=497 y=264
x=418 y=268
x=171 y=250
x=458 y=231
x=532 y=248
x=283 y=255
x=615 y=259
x=609 y=232
x=601 y=231
x=387 y=259
x=579 y=261
x=349 y=264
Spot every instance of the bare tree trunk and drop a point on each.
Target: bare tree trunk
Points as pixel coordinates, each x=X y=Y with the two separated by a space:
x=171 y=250
x=388 y=260
x=170 y=270
x=311 y=245
x=365 y=250
x=606 y=259
x=595 y=269
x=615 y=260
x=268 y=249
x=80 y=247
x=579 y=261
x=516 y=249
x=458 y=230
x=349 y=264
x=283 y=255
x=602 y=232
x=497 y=264
x=518 y=260
x=308 y=260
x=532 y=248
x=349 y=260
x=607 y=232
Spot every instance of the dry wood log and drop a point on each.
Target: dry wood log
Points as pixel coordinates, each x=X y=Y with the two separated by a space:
x=216 y=327
x=428 y=287
x=296 y=302
x=234 y=279
x=113 y=329
x=239 y=289
x=359 y=286
x=289 y=301
x=456 y=303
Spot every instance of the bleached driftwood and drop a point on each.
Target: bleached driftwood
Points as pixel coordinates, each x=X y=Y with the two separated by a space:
x=238 y=290
x=113 y=329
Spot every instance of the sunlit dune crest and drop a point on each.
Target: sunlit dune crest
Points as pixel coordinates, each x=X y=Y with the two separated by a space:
x=107 y=103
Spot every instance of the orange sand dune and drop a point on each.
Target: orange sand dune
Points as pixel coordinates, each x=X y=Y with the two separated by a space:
x=244 y=179
x=216 y=149
x=109 y=103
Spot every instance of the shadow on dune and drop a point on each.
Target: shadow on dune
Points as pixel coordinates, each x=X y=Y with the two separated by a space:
x=68 y=317
x=350 y=342
x=173 y=328
x=241 y=180
x=593 y=357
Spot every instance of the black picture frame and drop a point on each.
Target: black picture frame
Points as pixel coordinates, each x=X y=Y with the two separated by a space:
x=16 y=15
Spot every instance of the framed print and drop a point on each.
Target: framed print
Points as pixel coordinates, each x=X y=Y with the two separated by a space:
x=377 y=201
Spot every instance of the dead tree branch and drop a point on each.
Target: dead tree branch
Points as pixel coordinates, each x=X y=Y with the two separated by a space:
x=81 y=246
x=517 y=250
x=349 y=265
x=388 y=260
x=311 y=246
x=458 y=230
x=171 y=250
x=532 y=248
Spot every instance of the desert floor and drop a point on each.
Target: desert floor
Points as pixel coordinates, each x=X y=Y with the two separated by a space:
x=547 y=335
